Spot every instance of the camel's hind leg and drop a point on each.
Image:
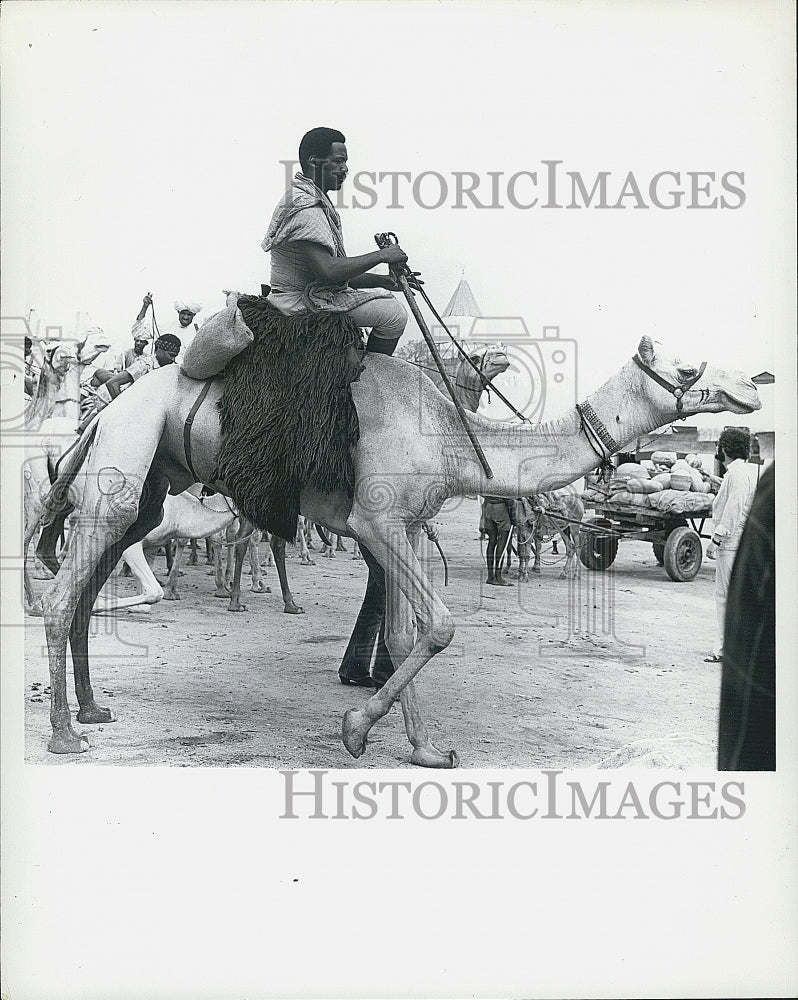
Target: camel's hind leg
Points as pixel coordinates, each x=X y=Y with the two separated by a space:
x=409 y=594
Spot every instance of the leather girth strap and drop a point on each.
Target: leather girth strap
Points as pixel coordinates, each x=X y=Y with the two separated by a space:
x=189 y=421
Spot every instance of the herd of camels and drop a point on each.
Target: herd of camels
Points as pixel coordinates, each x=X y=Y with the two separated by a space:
x=412 y=455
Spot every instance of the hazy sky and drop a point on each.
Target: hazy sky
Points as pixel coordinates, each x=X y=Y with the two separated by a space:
x=142 y=142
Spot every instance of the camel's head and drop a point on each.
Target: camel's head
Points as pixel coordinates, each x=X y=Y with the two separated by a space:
x=60 y=356
x=490 y=361
x=93 y=345
x=715 y=390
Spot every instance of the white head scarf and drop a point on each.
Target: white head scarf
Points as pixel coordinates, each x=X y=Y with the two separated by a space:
x=188 y=306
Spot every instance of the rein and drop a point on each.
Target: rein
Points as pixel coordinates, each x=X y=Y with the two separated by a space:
x=675 y=390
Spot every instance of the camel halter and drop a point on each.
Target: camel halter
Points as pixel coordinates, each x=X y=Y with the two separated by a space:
x=675 y=390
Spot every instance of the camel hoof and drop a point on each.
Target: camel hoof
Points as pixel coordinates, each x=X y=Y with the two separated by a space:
x=68 y=743
x=293 y=609
x=169 y=595
x=237 y=607
x=221 y=594
x=353 y=732
x=93 y=715
x=430 y=757
x=535 y=569
x=259 y=588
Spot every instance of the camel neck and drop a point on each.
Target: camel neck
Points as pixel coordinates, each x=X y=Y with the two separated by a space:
x=41 y=405
x=531 y=459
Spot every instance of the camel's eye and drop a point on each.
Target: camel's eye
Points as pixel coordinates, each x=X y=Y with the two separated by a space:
x=686 y=372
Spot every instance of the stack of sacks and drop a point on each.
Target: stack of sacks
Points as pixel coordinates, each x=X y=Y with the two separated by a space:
x=632 y=483
x=668 y=478
x=663 y=460
x=687 y=476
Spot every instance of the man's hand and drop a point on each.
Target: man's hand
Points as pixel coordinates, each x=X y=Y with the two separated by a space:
x=712 y=550
x=146 y=302
x=393 y=254
x=413 y=280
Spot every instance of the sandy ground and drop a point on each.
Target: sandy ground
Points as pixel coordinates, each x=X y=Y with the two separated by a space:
x=604 y=671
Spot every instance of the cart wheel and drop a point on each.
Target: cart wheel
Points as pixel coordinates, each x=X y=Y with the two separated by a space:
x=683 y=554
x=659 y=552
x=597 y=551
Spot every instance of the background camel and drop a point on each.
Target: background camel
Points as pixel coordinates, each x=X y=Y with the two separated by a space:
x=51 y=418
x=542 y=516
x=412 y=455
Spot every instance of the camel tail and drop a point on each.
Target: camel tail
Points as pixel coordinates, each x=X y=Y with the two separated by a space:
x=58 y=507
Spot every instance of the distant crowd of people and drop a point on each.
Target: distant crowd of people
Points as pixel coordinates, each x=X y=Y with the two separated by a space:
x=153 y=347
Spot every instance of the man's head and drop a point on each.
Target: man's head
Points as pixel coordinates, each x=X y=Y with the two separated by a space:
x=322 y=155
x=139 y=343
x=733 y=442
x=186 y=311
x=28 y=346
x=167 y=349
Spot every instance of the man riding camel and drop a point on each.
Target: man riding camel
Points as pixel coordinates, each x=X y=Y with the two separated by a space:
x=309 y=267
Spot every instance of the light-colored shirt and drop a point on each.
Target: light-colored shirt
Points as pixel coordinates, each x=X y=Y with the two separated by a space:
x=146 y=363
x=731 y=505
x=305 y=214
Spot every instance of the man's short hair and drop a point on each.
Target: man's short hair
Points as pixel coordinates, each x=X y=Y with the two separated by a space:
x=169 y=343
x=735 y=442
x=318 y=142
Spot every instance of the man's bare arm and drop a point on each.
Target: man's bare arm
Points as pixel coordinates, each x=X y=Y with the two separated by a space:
x=339 y=270
x=115 y=383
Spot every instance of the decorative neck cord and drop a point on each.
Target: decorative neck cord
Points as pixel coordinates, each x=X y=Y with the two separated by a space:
x=595 y=431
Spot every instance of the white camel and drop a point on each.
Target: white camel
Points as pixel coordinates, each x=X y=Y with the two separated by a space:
x=411 y=456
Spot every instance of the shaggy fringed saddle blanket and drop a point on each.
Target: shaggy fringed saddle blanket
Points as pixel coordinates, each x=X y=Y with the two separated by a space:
x=287 y=415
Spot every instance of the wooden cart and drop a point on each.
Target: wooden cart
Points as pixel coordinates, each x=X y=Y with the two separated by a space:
x=676 y=538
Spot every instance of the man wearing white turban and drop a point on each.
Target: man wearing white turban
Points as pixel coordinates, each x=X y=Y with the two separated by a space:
x=182 y=327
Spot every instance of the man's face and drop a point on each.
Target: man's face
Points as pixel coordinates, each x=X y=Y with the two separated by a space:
x=332 y=170
x=139 y=345
x=164 y=357
x=185 y=317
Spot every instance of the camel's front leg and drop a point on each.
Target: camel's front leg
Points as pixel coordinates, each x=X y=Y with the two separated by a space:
x=219 y=540
x=409 y=594
x=537 y=543
x=253 y=550
x=151 y=591
x=571 y=568
x=171 y=594
x=290 y=607
x=239 y=551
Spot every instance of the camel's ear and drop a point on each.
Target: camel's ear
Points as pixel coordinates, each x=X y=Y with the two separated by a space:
x=646 y=349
